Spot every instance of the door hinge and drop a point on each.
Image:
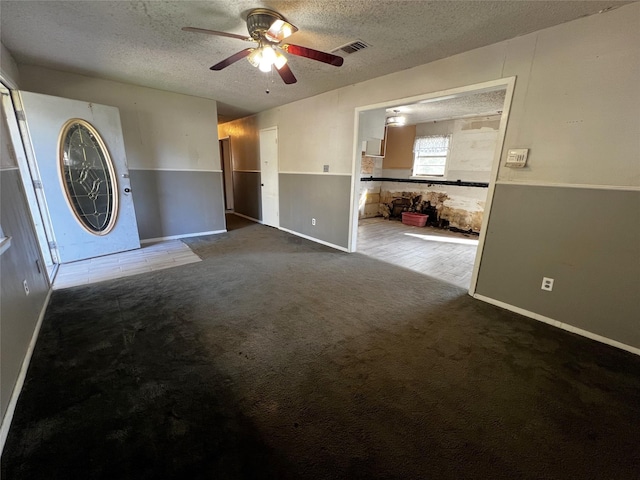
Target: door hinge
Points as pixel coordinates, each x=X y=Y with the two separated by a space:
x=37 y=184
x=52 y=245
x=20 y=115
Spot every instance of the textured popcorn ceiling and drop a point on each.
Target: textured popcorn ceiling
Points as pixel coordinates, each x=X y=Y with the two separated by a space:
x=468 y=105
x=140 y=42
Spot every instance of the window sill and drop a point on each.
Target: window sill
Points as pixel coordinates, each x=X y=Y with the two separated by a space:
x=5 y=243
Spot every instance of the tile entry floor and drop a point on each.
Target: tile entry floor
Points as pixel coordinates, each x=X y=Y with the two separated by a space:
x=149 y=258
x=438 y=253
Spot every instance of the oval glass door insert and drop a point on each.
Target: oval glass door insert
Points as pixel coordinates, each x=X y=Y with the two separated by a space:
x=88 y=176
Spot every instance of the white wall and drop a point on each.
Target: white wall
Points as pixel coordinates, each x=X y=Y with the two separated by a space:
x=162 y=130
x=577 y=101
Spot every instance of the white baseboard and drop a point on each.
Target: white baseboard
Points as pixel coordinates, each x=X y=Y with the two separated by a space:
x=316 y=240
x=177 y=237
x=248 y=217
x=17 y=388
x=556 y=323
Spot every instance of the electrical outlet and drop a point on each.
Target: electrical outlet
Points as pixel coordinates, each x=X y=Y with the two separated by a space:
x=313 y=221
x=547 y=284
x=26 y=287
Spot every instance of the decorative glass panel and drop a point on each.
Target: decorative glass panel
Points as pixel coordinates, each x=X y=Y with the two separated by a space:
x=88 y=176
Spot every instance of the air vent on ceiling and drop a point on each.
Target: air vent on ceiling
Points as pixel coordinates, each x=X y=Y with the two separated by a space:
x=352 y=47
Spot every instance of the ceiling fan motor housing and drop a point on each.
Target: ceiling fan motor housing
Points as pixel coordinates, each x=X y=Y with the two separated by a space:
x=259 y=21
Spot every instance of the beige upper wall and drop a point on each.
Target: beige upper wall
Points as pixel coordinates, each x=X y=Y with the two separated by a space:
x=579 y=103
x=162 y=130
x=9 y=68
x=575 y=104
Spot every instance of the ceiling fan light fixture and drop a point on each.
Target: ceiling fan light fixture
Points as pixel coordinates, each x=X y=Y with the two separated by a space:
x=255 y=57
x=279 y=30
x=280 y=60
x=268 y=59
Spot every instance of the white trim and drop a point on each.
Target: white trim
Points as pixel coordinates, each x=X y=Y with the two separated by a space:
x=630 y=188
x=270 y=204
x=316 y=173
x=175 y=170
x=482 y=87
x=316 y=240
x=17 y=388
x=177 y=237
x=248 y=217
x=507 y=83
x=5 y=243
x=36 y=202
x=246 y=171
x=495 y=168
x=558 y=324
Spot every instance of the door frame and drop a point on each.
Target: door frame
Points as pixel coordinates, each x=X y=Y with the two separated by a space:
x=29 y=176
x=277 y=180
x=508 y=83
x=224 y=145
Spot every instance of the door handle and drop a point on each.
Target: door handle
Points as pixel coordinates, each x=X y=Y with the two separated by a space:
x=127 y=190
x=262 y=184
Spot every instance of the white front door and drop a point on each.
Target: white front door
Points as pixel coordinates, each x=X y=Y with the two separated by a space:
x=269 y=176
x=81 y=167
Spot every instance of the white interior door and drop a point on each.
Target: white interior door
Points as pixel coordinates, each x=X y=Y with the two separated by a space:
x=269 y=176
x=80 y=165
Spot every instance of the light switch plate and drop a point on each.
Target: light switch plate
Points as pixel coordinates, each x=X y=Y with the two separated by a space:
x=517 y=157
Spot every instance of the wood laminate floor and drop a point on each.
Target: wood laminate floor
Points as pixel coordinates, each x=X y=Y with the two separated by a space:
x=438 y=253
x=156 y=256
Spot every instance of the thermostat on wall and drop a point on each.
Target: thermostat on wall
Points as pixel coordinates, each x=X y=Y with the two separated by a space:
x=517 y=157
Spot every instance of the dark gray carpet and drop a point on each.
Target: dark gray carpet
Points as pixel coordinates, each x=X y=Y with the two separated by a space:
x=279 y=358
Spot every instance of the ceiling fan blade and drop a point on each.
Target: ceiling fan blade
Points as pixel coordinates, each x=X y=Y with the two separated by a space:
x=329 y=58
x=286 y=74
x=232 y=59
x=215 y=32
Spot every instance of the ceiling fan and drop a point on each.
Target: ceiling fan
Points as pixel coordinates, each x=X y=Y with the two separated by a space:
x=268 y=29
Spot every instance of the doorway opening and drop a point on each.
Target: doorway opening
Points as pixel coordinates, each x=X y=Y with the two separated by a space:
x=226 y=163
x=424 y=173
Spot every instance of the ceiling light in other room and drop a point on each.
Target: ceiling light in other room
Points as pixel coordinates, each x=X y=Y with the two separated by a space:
x=396 y=120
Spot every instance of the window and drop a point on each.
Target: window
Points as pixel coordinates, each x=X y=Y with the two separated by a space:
x=88 y=176
x=430 y=155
